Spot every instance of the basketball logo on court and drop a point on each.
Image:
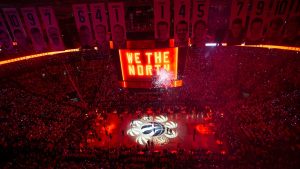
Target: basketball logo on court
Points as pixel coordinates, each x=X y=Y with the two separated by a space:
x=158 y=129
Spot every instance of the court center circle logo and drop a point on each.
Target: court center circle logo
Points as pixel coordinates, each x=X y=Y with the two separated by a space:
x=157 y=129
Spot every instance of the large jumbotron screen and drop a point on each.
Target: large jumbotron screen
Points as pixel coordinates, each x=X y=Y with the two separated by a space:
x=149 y=68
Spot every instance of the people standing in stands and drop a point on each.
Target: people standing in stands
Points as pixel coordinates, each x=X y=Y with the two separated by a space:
x=162 y=29
x=274 y=33
x=119 y=40
x=200 y=36
x=236 y=35
x=181 y=31
x=255 y=32
x=292 y=32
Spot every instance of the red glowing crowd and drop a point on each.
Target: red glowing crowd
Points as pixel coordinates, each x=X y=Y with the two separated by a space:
x=47 y=108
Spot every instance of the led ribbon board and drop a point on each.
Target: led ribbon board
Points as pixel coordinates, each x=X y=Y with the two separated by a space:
x=143 y=64
x=158 y=129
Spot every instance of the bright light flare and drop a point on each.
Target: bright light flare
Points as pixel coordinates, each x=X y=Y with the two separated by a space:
x=210 y=44
x=36 y=56
x=291 y=48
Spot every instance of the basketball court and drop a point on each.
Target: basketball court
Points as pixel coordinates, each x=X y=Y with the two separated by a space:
x=165 y=131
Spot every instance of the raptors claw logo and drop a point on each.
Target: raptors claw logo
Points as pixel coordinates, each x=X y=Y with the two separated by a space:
x=157 y=129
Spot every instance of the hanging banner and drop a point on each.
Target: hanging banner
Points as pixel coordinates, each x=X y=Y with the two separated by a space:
x=34 y=28
x=280 y=8
x=52 y=29
x=258 y=20
x=239 y=9
x=276 y=20
x=100 y=26
x=199 y=22
x=16 y=27
x=5 y=39
x=295 y=8
x=162 y=19
x=181 y=22
x=117 y=24
x=83 y=25
x=292 y=27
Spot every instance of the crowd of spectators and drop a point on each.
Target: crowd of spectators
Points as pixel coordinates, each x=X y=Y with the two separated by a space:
x=47 y=111
x=257 y=93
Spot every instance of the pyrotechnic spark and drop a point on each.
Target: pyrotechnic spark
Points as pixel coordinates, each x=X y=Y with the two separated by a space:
x=163 y=79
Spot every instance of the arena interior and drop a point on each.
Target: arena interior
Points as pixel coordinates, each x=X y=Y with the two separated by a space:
x=135 y=84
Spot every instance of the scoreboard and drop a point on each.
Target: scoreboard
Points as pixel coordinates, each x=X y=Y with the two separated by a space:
x=140 y=67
